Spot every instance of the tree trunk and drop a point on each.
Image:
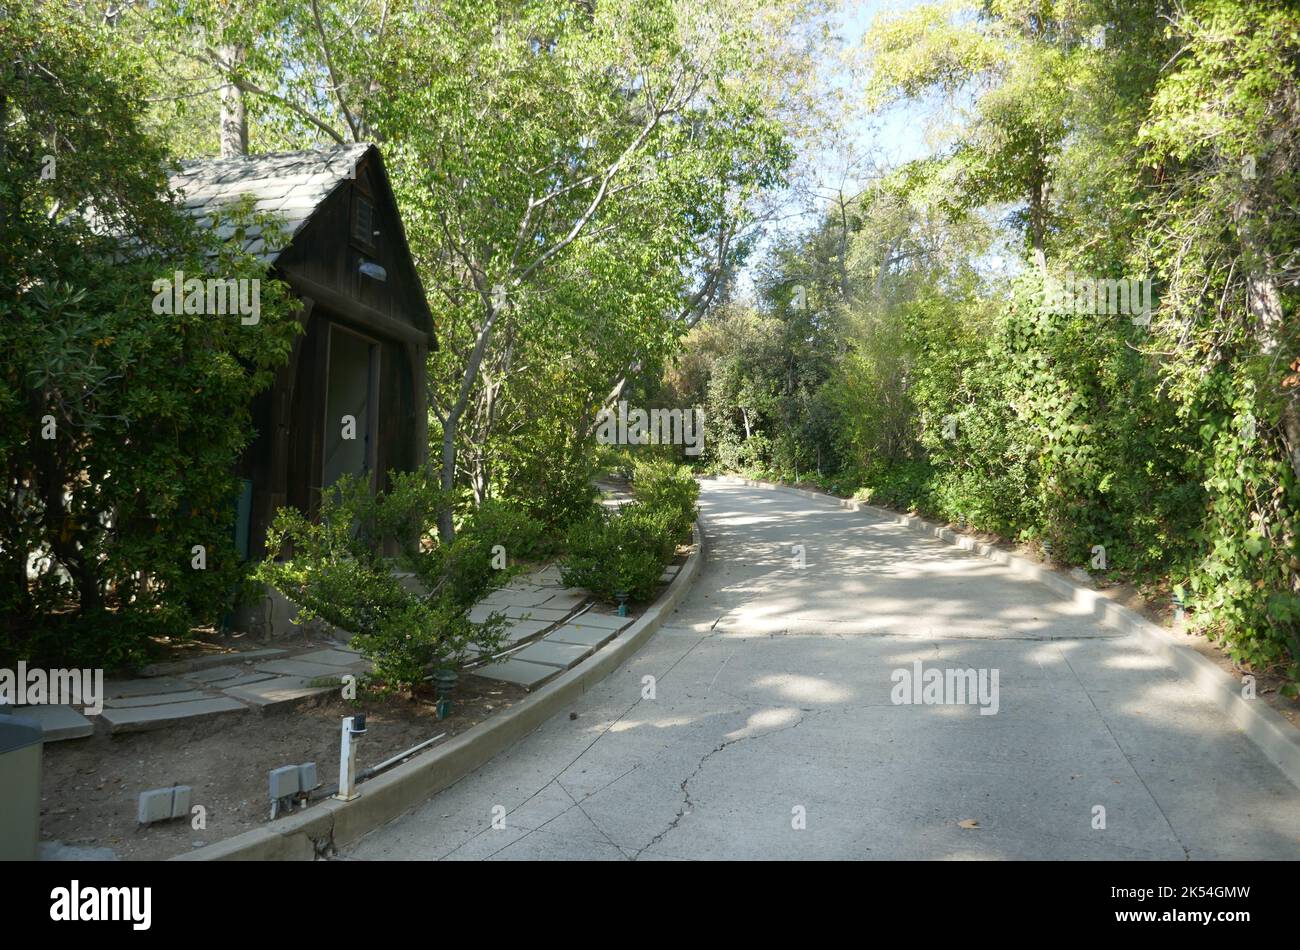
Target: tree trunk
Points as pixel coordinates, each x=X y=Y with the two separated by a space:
x=234 y=115
x=1038 y=226
x=1264 y=301
x=451 y=422
x=446 y=527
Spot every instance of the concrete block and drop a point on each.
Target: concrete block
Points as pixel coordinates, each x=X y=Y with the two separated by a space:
x=181 y=801
x=519 y=672
x=522 y=584
x=56 y=722
x=161 y=804
x=338 y=658
x=217 y=674
x=303 y=668
x=566 y=599
x=281 y=690
x=285 y=781
x=203 y=663
x=521 y=629
x=560 y=655
x=480 y=613
x=548 y=614
x=159 y=717
x=158 y=699
x=154 y=805
x=603 y=621
x=584 y=636
x=511 y=597
x=244 y=680
x=115 y=689
x=58 y=851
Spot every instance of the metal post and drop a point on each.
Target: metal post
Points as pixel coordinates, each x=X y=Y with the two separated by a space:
x=353 y=726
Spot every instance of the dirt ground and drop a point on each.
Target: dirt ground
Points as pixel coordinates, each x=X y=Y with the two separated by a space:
x=91 y=785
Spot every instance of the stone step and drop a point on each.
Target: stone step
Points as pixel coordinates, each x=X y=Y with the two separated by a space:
x=584 y=636
x=553 y=653
x=310 y=670
x=220 y=677
x=57 y=722
x=480 y=613
x=344 y=659
x=158 y=699
x=601 y=621
x=280 y=692
x=566 y=598
x=116 y=689
x=207 y=662
x=520 y=672
x=517 y=630
x=143 y=718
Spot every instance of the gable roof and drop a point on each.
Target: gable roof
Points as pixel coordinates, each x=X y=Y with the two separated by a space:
x=290 y=184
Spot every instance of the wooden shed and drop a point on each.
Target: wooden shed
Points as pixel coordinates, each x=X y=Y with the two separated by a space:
x=351 y=399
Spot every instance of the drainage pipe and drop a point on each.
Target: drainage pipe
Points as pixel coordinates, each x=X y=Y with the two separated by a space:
x=325 y=791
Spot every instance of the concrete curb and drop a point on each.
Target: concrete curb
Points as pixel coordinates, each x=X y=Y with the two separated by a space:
x=331 y=823
x=1267 y=729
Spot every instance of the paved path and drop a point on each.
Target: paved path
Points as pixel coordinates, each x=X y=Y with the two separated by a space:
x=772 y=700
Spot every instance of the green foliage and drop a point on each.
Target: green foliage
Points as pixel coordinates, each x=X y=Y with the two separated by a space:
x=553 y=490
x=924 y=376
x=407 y=610
x=1225 y=127
x=523 y=537
x=664 y=486
x=620 y=551
x=625 y=550
x=119 y=427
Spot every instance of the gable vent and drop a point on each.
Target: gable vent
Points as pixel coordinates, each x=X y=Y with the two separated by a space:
x=363 y=222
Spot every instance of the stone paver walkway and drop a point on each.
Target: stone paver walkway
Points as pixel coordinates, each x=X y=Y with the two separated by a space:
x=273 y=678
x=557 y=626
x=545 y=639
x=760 y=723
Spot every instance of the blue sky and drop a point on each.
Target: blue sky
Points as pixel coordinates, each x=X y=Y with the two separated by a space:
x=892 y=138
x=888 y=139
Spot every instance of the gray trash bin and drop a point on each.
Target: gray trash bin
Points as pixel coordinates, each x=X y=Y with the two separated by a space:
x=21 y=745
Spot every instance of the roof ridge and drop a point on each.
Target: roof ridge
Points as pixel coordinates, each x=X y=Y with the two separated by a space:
x=260 y=156
x=292 y=185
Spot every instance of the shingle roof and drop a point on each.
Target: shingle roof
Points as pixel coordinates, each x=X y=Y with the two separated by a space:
x=290 y=184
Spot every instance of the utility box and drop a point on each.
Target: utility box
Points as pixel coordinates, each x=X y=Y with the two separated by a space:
x=21 y=745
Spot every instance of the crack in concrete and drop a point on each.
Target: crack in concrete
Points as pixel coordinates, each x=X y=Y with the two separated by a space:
x=686 y=805
x=592 y=821
x=574 y=761
x=324 y=847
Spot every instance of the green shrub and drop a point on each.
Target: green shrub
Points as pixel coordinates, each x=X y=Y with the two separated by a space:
x=406 y=625
x=556 y=490
x=120 y=428
x=621 y=551
x=523 y=537
x=663 y=485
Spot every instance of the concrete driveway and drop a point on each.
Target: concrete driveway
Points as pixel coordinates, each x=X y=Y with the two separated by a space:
x=772 y=730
